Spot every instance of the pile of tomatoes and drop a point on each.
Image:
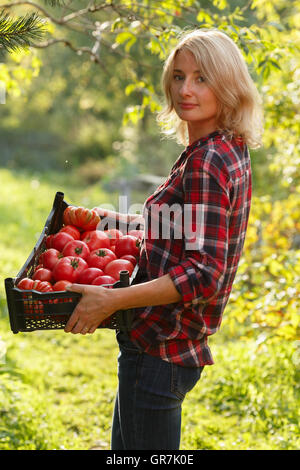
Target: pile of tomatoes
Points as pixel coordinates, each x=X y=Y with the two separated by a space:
x=79 y=253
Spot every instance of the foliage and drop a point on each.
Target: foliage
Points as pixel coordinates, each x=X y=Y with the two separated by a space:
x=246 y=400
x=122 y=44
x=78 y=115
x=57 y=391
x=266 y=293
x=20 y=33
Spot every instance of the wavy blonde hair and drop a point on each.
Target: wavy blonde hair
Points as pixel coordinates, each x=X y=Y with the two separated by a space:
x=227 y=75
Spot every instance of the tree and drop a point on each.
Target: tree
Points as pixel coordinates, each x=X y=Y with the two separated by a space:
x=135 y=35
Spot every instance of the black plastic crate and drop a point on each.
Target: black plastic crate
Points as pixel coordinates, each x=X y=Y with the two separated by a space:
x=31 y=310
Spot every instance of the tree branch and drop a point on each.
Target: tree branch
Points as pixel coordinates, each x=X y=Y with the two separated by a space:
x=79 y=50
x=19 y=33
x=34 y=5
x=63 y=20
x=87 y=50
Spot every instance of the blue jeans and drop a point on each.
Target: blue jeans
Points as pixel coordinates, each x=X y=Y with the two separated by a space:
x=147 y=412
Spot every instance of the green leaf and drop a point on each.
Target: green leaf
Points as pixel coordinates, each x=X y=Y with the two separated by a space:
x=221 y=4
x=123 y=37
x=204 y=17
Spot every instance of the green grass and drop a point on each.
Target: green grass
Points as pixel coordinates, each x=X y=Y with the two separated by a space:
x=57 y=390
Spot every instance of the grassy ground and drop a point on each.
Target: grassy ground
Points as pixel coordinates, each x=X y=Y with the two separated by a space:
x=57 y=390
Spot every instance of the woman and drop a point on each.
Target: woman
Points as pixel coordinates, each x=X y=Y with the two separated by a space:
x=186 y=272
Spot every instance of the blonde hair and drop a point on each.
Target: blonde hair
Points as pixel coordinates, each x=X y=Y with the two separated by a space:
x=225 y=71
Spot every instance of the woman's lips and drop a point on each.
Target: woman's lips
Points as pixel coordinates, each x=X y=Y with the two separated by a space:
x=187 y=105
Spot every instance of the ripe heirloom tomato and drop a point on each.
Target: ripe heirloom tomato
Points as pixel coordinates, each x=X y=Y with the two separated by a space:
x=116 y=266
x=60 y=239
x=49 y=239
x=113 y=234
x=130 y=258
x=50 y=257
x=43 y=286
x=25 y=284
x=39 y=266
x=61 y=285
x=88 y=275
x=100 y=258
x=69 y=268
x=31 y=284
x=76 y=248
x=127 y=245
x=43 y=274
x=96 y=239
x=101 y=280
x=71 y=230
x=81 y=217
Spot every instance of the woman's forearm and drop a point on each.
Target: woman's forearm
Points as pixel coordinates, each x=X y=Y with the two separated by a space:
x=159 y=291
x=98 y=303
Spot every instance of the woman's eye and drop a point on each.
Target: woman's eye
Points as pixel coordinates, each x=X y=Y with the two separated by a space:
x=177 y=77
x=200 y=79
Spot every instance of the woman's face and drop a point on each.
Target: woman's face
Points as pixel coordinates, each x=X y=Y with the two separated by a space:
x=194 y=102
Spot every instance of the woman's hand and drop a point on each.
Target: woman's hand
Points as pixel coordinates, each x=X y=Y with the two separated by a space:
x=97 y=304
x=134 y=220
x=107 y=213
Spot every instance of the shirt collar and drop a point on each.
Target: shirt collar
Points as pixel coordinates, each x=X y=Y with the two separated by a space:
x=201 y=141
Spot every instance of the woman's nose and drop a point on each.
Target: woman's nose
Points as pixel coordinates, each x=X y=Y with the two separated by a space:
x=185 y=88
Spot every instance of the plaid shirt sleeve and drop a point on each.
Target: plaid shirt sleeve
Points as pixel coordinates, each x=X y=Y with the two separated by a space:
x=206 y=187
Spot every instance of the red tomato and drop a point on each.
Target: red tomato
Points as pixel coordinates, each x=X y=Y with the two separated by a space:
x=42 y=286
x=60 y=239
x=61 y=285
x=43 y=274
x=130 y=258
x=49 y=239
x=100 y=280
x=100 y=258
x=76 y=248
x=71 y=230
x=128 y=245
x=69 y=268
x=81 y=217
x=137 y=233
x=88 y=275
x=116 y=266
x=96 y=239
x=50 y=257
x=31 y=284
x=113 y=234
x=25 y=284
x=39 y=266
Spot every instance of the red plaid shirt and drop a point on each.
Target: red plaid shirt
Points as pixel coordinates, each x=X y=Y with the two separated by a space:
x=199 y=242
